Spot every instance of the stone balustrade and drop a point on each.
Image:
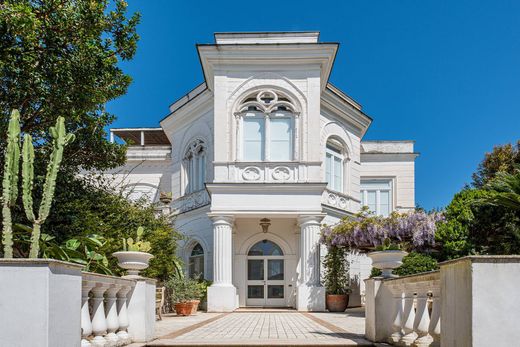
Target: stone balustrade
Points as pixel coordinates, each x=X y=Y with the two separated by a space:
x=466 y=303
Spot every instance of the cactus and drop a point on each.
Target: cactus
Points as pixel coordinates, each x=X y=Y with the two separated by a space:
x=138 y=245
x=60 y=139
x=10 y=181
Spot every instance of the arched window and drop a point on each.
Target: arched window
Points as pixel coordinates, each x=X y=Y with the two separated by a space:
x=267 y=127
x=195 y=164
x=334 y=163
x=265 y=248
x=196 y=262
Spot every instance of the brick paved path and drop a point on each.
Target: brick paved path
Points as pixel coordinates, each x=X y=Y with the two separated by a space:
x=263 y=329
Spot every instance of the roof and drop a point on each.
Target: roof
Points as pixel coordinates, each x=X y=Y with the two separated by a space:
x=151 y=136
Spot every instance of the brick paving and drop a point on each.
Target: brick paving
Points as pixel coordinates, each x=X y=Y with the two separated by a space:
x=264 y=329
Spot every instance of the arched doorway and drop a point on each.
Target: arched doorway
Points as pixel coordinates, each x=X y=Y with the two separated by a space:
x=266 y=275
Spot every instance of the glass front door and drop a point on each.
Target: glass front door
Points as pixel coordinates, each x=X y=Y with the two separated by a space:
x=266 y=275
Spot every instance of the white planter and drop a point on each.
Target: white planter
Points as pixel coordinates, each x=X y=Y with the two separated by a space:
x=386 y=261
x=133 y=261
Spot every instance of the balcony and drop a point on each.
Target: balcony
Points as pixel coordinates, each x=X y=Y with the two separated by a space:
x=340 y=201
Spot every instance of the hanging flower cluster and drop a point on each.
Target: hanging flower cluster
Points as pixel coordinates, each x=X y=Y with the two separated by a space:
x=409 y=231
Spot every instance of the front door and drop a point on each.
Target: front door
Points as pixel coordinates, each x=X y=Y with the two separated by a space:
x=266 y=275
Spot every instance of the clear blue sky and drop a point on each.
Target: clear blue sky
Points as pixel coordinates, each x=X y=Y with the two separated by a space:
x=443 y=73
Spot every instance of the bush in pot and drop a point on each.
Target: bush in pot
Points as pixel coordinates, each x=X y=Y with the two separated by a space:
x=336 y=279
x=183 y=292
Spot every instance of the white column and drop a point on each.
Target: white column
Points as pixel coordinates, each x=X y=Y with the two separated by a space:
x=122 y=316
x=86 y=324
x=222 y=294
x=409 y=317
x=397 y=297
x=111 y=314
x=311 y=294
x=99 y=322
x=435 y=320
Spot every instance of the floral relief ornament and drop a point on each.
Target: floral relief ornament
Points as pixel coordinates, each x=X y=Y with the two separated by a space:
x=251 y=174
x=281 y=173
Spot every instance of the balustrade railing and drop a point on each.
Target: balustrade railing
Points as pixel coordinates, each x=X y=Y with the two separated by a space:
x=104 y=310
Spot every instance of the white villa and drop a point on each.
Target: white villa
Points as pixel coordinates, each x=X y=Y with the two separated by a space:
x=257 y=158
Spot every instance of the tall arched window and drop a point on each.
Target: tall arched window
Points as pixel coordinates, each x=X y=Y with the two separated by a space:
x=195 y=164
x=196 y=262
x=267 y=127
x=334 y=165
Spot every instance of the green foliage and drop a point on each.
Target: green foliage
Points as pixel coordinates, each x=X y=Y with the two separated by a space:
x=10 y=181
x=500 y=159
x=413 y=263
x=184 y=289
x=336 y=271
x=138 y=245
x=60 y=58
x=504 y=190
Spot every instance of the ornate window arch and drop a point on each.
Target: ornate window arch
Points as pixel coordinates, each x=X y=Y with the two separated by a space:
x=196 y=261
x=336 y=164
x=194 y=161
x=267 y=126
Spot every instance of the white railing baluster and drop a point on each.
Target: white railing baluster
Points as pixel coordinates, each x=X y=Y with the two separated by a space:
x=409 y=317
x=99 y=322
x=435 y=319
x=122 y=309
x=111 y=314
x=397 y=322
x=422 y=316
x=86 y=324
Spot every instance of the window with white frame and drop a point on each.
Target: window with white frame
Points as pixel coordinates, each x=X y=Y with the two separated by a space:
x=267 y=127
x=195 y=165
x=196 y=262
x=376 y=194
x=334 y=163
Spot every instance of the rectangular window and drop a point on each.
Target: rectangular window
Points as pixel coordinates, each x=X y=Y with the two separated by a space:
x=254 y=135
x=280 y=139
x=334 y=168
x=377 y=196
x=328 y=170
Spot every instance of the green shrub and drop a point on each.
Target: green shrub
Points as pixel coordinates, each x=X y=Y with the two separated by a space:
x=413 y=263
x=183 y=289
x=336 y=271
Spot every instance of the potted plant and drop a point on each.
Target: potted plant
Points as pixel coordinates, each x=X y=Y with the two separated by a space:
x=386 y=238
x=185 y=293
x=336 y=279
x=135 y=256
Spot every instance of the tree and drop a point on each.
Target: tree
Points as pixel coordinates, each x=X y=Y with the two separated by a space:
x=60 y=58
x=505 y=190
x=500 y=159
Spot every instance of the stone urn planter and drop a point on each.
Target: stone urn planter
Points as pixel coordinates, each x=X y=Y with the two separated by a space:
x=133 y=261
x=386 y=261
x=184 y=308
x=337 y=302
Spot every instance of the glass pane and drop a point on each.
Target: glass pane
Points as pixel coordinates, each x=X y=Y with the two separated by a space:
x=275 y=292
x=338 y=174
x=275 y=269
x=196 y=266
x=328 y=170
x=255 y=292
x=371 y=200
x=384 y=203
x=254 y=129
x=197 y=250
x=255 y=269
x=281 y=138
x=265 y=247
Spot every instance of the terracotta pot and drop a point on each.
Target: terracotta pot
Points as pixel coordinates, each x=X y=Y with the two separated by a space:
x=337 y=302
x=386 y=261
x=195 y=307
x=183 y=308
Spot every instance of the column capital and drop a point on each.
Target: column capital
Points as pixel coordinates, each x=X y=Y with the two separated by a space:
x=314 y=219
x=222 y=219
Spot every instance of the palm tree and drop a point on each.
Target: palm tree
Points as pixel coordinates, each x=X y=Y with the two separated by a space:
x=504 y=190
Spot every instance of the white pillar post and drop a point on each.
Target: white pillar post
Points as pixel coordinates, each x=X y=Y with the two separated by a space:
x=99 y=322
x=86 y=324
x=422 y=316
x=111 y=314
x=397 y=325
x=409 y=317
x=142 y=138
x=311 y=294
x=222 y=293
x=435 y=320
x=122 y=310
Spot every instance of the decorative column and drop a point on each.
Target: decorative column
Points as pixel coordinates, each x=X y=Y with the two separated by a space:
x=86 y=324
x=122 y=316
x=435 y=320
x=409 y=317
x=99 y=322
x=111 y=314
x=222 y=294
x=311 y=294
x=397 y=325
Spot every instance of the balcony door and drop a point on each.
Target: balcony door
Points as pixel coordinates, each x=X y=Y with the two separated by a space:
x=266 y=275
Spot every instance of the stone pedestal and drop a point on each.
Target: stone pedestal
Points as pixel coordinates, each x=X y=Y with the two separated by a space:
x=40 y=303
x=141 y=310
x=222 y=294
x=311 y=294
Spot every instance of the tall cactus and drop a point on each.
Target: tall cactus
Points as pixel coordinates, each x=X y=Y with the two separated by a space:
x=60 y=139
x=10 y=181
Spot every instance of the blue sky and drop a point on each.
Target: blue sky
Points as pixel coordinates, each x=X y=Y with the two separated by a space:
x=443 y=73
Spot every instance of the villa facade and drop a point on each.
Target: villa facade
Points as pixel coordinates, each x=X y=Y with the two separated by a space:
x=257 y=158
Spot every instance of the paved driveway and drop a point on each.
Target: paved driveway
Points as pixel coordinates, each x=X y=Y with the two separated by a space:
x=289 y=328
